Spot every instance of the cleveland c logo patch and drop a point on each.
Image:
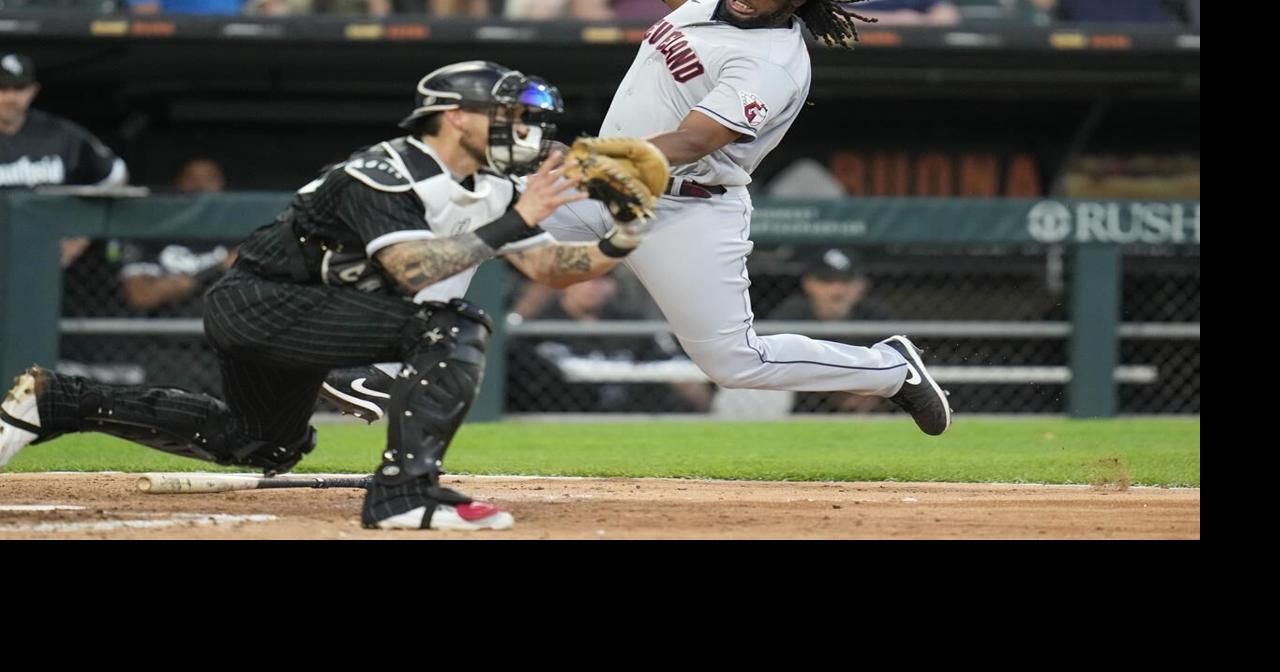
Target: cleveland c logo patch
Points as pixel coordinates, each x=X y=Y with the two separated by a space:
x=753 y=109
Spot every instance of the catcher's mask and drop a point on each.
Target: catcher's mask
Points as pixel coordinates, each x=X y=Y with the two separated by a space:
x=520 y=138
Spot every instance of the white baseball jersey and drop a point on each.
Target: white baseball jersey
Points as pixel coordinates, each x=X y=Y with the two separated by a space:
x=694 y=263
x=753 y=81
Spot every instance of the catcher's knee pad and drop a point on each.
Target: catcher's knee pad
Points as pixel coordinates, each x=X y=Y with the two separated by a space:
x=434 y=390
x=272 y=458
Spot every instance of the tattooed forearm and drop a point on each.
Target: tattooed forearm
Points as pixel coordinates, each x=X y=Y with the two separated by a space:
x=572 y=259
x=563 y=264
x=421 y=263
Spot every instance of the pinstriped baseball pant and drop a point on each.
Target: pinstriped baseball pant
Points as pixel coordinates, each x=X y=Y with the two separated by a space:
x=276 y=341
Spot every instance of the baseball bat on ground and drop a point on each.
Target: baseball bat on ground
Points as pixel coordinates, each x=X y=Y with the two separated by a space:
x=164 y=484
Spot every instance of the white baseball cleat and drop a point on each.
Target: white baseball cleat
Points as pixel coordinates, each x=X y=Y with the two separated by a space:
x=19 y=416
x=472 y=516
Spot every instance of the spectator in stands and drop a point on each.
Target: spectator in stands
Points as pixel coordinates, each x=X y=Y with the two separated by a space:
x=172 y=276
x=595 y=10
x=472 y=8
x=200 y=175
x=834 y=289
x=41 y=149
x=194 y=7
x=535 y=9
x=1108 y=11
x=909 y=12
x=38 y=148
x=339 y=7
x=535 y=363
x=586 y=10
x=288 y=7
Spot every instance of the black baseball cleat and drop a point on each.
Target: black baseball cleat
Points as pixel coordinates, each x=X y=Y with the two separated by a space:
x=920 y=395
x=362 y=391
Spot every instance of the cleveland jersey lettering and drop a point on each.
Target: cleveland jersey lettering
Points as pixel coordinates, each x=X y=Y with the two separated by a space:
x=754 y=82
x=681 y=59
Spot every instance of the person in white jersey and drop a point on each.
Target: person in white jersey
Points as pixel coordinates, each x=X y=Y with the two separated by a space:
x=715 y=86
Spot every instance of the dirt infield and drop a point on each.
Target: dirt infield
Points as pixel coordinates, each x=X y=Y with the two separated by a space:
x=108 y=506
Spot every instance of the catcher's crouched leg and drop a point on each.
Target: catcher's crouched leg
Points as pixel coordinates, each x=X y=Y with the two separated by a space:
x=169 y=419
x=429 y=399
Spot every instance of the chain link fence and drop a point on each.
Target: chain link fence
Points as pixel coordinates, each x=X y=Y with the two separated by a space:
x=991 y=319
x=128 y=320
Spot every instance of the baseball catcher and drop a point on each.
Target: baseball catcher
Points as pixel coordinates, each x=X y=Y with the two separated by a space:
x=365 y=266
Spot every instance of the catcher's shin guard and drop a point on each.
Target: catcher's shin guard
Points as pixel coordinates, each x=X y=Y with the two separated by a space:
x=429 y=400
x=168 y=419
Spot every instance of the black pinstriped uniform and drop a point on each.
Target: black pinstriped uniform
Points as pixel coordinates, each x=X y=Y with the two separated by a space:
x=278 y=328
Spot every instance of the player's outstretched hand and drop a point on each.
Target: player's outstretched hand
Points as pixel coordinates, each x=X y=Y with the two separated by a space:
x=547 y=190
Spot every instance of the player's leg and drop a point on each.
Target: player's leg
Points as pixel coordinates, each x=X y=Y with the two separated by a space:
x=441 y=348
x=265 y=424
x=444 y=360
x=275 y=341
x=694 y=264
x=364 y=391
x=315 y=328
x=43 y=405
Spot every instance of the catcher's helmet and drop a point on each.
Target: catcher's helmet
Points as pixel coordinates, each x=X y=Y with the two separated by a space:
x=487 y=85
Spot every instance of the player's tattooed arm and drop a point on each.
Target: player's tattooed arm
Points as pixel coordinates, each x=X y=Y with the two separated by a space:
x=563 y=264
x=416 y=264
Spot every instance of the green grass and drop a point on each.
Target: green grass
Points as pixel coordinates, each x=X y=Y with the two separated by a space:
x=1143 y=452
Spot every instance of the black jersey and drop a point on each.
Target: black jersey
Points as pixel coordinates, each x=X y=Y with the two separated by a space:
x=52 y=150
x=392 y=192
